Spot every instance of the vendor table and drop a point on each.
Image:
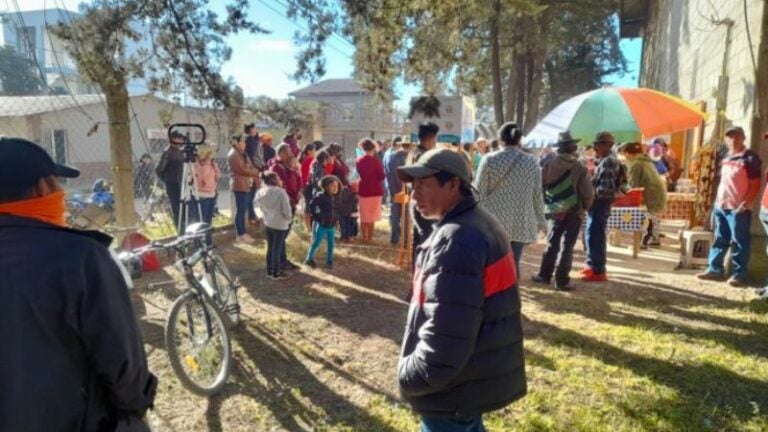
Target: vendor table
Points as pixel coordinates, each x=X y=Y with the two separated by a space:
x=628 y=219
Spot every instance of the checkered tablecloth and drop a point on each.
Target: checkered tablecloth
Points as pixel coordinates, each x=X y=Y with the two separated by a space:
x=626 y=219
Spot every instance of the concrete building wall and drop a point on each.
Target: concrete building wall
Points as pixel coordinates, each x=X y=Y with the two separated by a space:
x=347 y=118
x=91 y=152
x=683 y=53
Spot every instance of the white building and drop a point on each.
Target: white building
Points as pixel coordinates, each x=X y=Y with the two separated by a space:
x=28 y=33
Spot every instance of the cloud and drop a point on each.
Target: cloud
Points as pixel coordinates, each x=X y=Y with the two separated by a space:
x=273 y=45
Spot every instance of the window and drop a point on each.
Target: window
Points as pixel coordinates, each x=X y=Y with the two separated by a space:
x=26 y=41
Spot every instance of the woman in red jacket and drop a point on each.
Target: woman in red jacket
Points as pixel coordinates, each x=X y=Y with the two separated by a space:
x=371 y=191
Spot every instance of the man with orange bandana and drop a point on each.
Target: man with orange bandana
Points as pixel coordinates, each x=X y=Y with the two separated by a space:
x=72 y=357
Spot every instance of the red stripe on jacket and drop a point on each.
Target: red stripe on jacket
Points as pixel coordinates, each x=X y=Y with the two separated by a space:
x=417 y=292
x=500 y=276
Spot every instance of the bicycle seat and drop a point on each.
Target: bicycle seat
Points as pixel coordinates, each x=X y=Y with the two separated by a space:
x=198 y=229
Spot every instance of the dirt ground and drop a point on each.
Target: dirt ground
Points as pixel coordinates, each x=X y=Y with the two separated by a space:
x=319 y=350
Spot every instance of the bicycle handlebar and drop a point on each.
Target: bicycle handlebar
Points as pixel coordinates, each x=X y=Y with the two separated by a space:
x=174 y=244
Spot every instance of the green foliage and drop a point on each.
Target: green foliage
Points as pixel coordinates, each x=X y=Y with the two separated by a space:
x=289 y=113
x=446 y=46
x=427 y=105
x=187 y=42
x=18 y=74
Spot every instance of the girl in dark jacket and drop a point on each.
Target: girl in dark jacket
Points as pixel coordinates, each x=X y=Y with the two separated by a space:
x=324 y=209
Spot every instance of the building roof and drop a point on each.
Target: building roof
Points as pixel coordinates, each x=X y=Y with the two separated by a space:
x=632 y=17
x=19 y=106
x=336 y=86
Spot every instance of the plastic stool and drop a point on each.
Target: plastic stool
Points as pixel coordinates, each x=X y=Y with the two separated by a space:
x=689 y=240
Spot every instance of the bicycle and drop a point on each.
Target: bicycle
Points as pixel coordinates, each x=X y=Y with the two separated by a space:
x=197 y=336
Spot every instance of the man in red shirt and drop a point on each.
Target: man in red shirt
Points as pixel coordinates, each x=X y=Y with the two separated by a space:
x=740 y=174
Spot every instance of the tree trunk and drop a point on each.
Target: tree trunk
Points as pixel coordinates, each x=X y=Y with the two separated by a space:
x=498 y=103
x=520 y=85
x=511 y=98
x=116 y=95
x=760 y=114
x=534 y=97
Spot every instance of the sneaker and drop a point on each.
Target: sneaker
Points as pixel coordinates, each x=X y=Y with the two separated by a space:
x=310 y=263
x=595 y=277
x=329 y=265
x=738 y=282
x=289 y=266
x=711 y=276
x=244 y=239
x=564 y=287
x=586 y=271
x=280 y=276
x=540 y=280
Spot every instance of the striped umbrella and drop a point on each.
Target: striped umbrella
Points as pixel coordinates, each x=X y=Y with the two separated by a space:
x=628 y=113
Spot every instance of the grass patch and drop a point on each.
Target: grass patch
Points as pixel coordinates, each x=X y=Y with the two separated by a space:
x=649 y=351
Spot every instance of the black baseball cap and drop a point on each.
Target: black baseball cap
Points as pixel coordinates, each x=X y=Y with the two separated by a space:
x=23 y=163
x=435 y=161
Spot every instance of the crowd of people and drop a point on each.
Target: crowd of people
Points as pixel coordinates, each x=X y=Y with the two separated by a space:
x=473 y=211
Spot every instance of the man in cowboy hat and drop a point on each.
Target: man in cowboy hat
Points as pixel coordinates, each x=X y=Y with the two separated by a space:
x=609 y=179
x=568 y=194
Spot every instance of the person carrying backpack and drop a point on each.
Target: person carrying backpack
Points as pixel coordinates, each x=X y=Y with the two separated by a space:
x=568 y=194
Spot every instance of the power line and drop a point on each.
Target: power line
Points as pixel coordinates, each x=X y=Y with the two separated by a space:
x=285 y=15
x=334 y=33
x=20 y=18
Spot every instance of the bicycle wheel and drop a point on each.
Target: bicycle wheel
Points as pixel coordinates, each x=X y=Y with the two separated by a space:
x=198 y=344
x=224 y=285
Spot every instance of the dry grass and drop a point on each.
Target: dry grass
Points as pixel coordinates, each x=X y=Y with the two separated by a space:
x=652 y=350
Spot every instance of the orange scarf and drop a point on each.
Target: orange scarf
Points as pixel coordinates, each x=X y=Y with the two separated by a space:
x=49 y=208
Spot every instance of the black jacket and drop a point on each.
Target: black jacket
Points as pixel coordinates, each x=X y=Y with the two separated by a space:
x=72 y=356
x=348 y=202
x=170 y=168
x=255 y=152
x=462 y=353
x=324 y=210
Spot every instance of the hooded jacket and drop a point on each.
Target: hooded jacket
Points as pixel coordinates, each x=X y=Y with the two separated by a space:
x=72 y=357
x=290 y=177
x=552 y=177
x=642 y=174
x=275 y=204
x=324 y=209
x=462 y=353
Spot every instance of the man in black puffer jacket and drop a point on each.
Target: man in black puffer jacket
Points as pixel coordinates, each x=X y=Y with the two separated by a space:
x=462 y=353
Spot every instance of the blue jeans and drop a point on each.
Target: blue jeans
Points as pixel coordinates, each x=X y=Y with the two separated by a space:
x=731 y=231
x=241 y=211
x=347 y=224
x=207 y=205
x=275 y=249
x=318 y=233
x=517 y=250
x=470 y=424
x=251 y=210
x=394 y=221
x=597 y=223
